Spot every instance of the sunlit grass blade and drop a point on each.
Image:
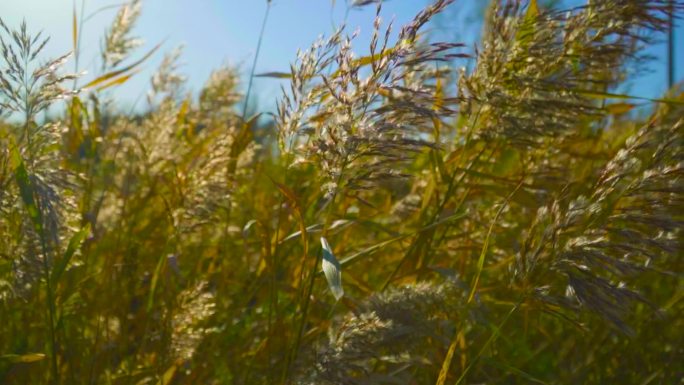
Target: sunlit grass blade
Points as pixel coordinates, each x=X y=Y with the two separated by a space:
x=332 y=270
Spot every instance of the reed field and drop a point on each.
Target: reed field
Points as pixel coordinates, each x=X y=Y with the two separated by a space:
x=399 y=218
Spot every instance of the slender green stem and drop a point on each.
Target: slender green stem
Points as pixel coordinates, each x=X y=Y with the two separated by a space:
x=51 y=319
x=671 y=47
x=256 y=58
x=77 y=49
x=312 y=278
x=495 y=335
x=232 y=162
x=52 y=309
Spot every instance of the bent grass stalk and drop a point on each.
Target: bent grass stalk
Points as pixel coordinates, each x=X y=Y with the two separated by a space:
x=449 y=199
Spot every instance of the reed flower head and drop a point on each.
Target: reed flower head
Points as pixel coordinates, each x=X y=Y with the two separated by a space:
x=359 y=119
x=195 y=307
x=118 y=41
x=390 y=331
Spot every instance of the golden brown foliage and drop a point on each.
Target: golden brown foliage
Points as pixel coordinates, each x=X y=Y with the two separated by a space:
x=513 y=223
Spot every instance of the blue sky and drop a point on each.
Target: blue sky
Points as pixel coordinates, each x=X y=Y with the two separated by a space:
x=226 y=31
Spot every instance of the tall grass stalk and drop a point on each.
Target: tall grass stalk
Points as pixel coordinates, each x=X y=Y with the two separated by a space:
x=492 y=214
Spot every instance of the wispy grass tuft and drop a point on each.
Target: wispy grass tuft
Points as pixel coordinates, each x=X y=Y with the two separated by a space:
x=515 y=222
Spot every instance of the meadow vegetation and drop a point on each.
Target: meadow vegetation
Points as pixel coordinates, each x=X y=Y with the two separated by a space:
x=397 y=220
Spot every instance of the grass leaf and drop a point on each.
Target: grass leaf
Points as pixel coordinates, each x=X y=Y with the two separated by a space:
x=113 y=74
x=74 y=243
x=332 y=270
x=22 y=358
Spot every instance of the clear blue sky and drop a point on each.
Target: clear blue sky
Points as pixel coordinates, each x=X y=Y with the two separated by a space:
x=220 y=31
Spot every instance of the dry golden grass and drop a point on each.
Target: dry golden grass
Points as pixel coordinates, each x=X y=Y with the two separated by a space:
x=398 y=221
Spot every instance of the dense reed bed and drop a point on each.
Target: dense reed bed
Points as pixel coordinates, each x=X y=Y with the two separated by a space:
x=397 y=220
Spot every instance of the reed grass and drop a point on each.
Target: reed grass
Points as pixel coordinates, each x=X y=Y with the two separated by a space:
x=518 y=222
